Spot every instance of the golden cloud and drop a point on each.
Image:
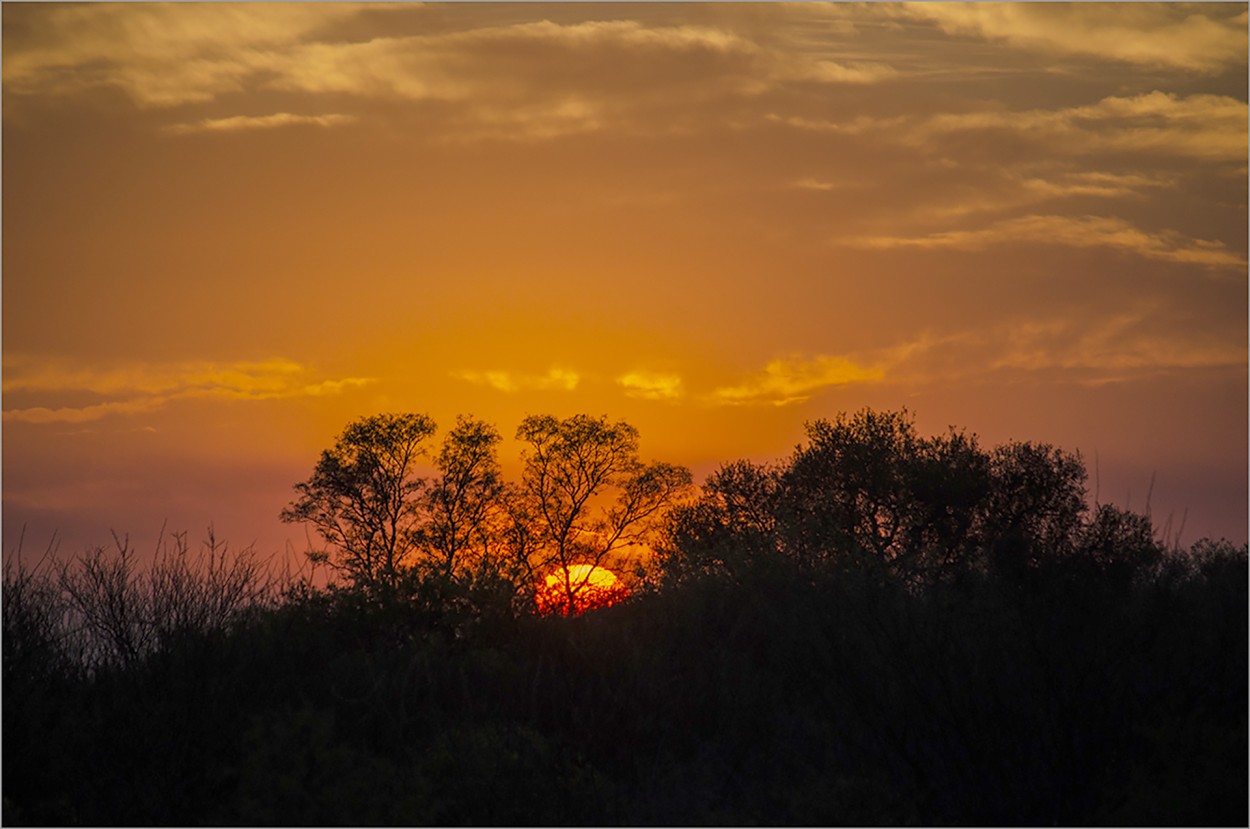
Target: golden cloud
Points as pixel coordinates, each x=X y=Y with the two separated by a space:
x=1207 y=127
x=146 y=387
x=1071 y=231
x=509 y=81
x=1203 y=127
x=784 y=382
x=160 y=54
x=258 y=122
x=1202 y=39
x=651 y=385
x=556 y=379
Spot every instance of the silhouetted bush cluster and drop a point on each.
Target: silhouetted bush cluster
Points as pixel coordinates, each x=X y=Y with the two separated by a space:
x=884 y=629
x=867 y=492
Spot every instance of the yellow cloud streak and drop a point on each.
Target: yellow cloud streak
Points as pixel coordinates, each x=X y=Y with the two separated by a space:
x=651 y=386
x=1159 y=34
x=556 y=379
x=1204 y=127
x=161 y=54
x=784 y=382
x=145 y=388
x=238 y=123
x=1071 y=231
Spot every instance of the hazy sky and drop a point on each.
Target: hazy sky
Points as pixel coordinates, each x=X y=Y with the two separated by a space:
x=228 y=230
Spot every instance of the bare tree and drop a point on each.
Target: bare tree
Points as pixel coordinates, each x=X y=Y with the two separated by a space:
x=119 y=612
x=587 y=494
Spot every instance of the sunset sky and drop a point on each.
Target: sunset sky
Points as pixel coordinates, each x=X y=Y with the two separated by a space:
x=228 y=230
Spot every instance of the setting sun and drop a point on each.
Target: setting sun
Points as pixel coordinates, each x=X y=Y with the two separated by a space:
x=582 y=587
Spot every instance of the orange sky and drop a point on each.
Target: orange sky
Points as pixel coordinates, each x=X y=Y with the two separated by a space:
x=230 y=229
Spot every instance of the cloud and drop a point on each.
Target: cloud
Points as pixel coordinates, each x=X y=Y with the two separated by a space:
x=1006 y=190
x=1070 y=231
x=556 y=379
x=651 y=385
x=784 y=382
x=1203 y=38
x=522 y=81
x=1206 y=127
x=83 y=414
x=1000 y=188
x=1094 y=183
x=160 y=54
x=541 y=80
x=810 y=183
x=506 y=61
x=258 y=122
x=1097 y=347
x=1123 y=342
x=819 y=70
x=1203 y=127
x=138 y=388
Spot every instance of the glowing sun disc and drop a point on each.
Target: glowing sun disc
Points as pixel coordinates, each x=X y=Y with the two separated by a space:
x=592 y=587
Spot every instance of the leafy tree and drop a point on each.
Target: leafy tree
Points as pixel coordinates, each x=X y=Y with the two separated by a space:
x=868 y=486
x=571 y=467
x=867 y=489
x=460 y=527
x=850 y=491
x=1036 y=504
x=731 y=528
x=1119 y=544
x=362 y=496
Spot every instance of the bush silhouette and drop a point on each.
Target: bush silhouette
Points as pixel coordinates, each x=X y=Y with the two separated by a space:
x=871 y=632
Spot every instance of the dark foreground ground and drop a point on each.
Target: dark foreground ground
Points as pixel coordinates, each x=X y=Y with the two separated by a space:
x=792 y=697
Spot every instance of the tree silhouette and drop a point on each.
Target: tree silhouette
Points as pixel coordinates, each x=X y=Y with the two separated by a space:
x=462 y=506
x=362 y=496
x=1037 y=501
x=570 y=467
x=866 y=489
x=731 y=529
x=1071 y=670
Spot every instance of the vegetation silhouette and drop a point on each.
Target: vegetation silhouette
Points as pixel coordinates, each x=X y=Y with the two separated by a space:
x=880 y=629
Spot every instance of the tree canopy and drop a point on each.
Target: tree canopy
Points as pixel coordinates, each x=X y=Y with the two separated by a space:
x=362 y=496
x=584 y=497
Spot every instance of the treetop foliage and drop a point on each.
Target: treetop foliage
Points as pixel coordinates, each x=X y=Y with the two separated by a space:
x=583 y=498
x=361 y=496
x=867 y=490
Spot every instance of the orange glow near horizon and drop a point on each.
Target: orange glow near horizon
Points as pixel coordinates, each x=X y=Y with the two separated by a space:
x=592 y=587
x=231 y=229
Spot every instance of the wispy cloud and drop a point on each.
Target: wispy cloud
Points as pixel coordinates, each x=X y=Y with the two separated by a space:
x=258 y=122
x=138 y=388
x=1152 y=34
x=160 y=54
x=1095 y=349
x=1094 y=183
x=555 y=379
x=1010 y=190
x=1071 y=231
x=787 y=381
x=1209 y=127
x=496 y=81
x=815 y=184
x=651 y=385
x=1203 y=127
x=1115 y=347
